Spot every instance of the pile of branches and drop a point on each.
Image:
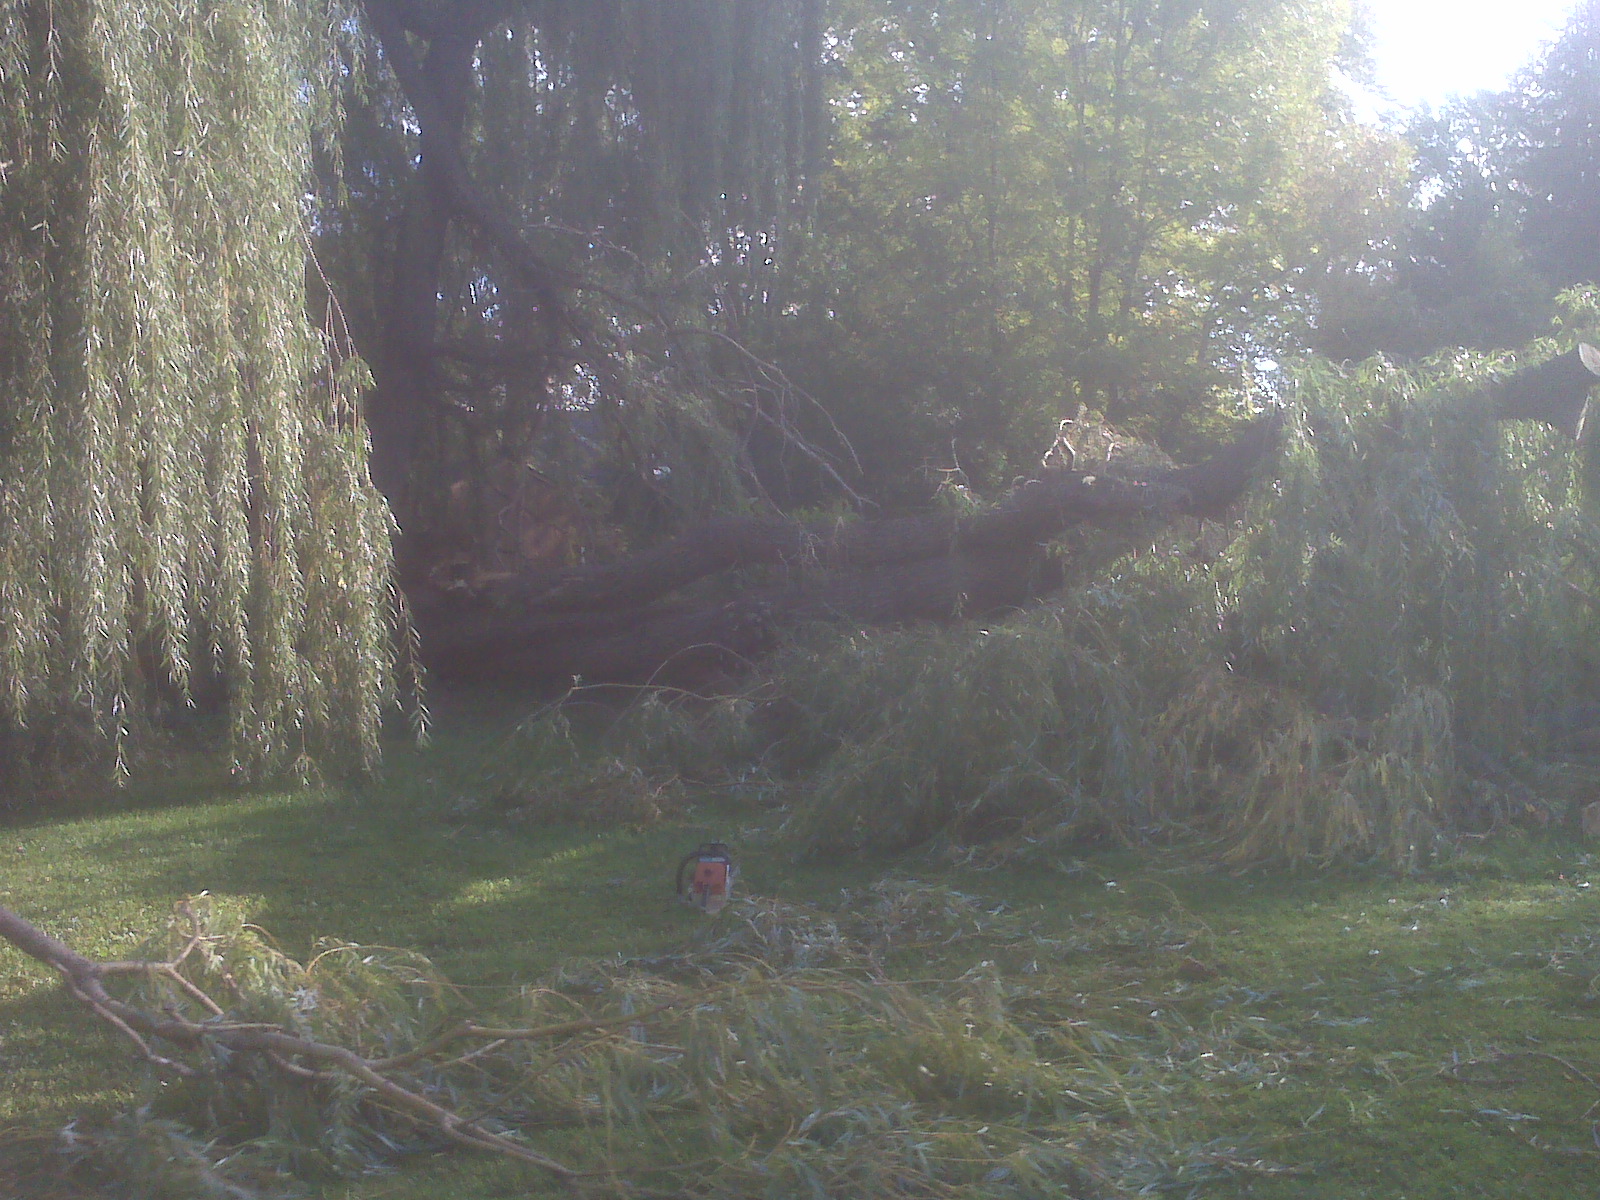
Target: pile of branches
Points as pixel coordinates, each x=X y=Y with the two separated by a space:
x=776 y=1057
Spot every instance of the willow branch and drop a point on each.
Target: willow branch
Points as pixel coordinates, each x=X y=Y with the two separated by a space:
x=84 y=980
x=469 y=1029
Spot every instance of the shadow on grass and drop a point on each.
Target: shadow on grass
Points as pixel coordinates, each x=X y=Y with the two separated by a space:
x=192 y=766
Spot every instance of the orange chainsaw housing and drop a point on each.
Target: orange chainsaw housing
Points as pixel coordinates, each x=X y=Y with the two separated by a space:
x=705 y=877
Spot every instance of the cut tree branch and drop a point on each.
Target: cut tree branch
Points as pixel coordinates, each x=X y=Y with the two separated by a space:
x=85 y=979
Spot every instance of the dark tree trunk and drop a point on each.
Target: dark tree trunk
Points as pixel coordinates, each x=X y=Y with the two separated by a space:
x=404 y=368
x=437 y=85
x=1555 y=392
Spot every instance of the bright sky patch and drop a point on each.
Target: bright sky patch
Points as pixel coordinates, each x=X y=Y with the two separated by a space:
x=1428 y=50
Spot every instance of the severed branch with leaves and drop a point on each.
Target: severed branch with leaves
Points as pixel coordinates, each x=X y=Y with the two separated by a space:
x=220 y=1009
x=191 y=1021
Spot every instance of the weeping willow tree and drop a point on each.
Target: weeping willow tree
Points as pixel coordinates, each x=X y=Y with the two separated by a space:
x=184 y=504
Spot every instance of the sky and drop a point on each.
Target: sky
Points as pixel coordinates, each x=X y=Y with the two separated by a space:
x=1427 y=50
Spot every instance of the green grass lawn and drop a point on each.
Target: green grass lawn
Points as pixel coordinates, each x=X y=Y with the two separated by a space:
x=1332 y=1034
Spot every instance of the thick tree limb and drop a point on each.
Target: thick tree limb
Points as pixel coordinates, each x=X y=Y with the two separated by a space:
x=616 y=621
x=1555 y=392
x=1039 y=509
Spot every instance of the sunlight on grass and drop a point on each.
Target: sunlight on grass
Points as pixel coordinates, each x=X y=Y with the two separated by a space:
x=492 y=891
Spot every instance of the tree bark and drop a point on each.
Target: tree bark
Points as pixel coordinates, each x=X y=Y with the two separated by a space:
x=437 y=87
x=403 y=368
x=1554 y=393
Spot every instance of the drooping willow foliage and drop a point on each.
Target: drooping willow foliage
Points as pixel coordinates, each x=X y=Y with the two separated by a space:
x=1391 y=645
x=183 y=492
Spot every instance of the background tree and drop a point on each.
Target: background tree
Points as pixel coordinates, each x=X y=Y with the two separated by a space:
x=587 y=249
x=540 y=193
x=183 y=495
x=1504 y=216
x=1119 y=204
x=1107 y=207
x=1557 y=152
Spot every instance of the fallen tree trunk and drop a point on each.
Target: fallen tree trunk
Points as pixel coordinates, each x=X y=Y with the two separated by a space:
x=649 y=616
x=618 y=621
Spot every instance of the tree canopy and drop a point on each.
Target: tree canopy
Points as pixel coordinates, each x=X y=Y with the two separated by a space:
x=1036 y=207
